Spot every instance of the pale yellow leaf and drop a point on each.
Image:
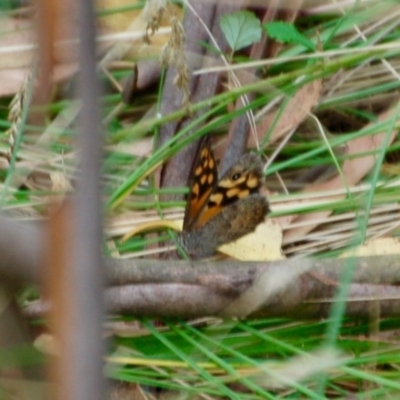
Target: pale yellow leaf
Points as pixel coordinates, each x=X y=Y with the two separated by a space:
x=375 y=247
x=264 y=244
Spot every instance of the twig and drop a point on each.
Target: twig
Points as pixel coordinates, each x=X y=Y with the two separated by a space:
x=297 y=288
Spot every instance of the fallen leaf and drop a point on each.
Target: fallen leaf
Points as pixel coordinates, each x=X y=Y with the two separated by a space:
x=264 y=244
x=375 y=247
x=295 y=112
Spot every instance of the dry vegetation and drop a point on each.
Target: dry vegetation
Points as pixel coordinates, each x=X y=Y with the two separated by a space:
x=325 y=121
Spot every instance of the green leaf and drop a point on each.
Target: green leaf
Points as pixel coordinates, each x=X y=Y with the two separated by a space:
x=241 y=29
x=287 y=33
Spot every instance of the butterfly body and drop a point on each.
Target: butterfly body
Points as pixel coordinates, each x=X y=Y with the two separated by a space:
x=221 y=211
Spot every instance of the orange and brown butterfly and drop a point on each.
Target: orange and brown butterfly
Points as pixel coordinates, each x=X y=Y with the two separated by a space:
x=219 y=211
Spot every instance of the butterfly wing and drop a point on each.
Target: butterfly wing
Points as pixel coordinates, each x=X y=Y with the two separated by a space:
x=236 y=220
x=240 y=181
x=226 y=211
x=202 y=183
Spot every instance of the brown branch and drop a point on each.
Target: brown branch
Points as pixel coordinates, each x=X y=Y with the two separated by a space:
x=378 y=269
x=200 y=87
x=145 y=73
x=300 y=288
x=161 y=288
x=295 y=288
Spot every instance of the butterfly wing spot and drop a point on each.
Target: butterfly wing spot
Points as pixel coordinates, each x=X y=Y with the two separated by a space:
x=195 y=191
x=205 y=154
x=210 y=179
x=215 y=199
x=253 y=182
x=233 y=192
x=198 y=171
x=228 y=183
x=243 y=194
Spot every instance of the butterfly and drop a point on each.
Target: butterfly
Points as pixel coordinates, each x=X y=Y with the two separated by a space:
x=219 y=211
